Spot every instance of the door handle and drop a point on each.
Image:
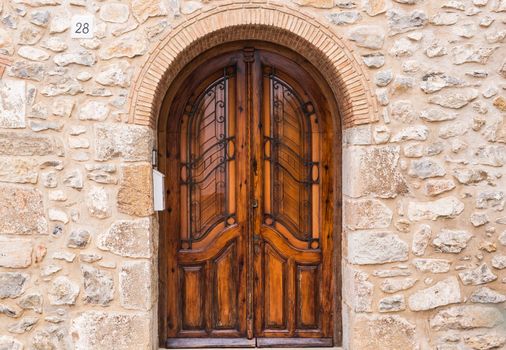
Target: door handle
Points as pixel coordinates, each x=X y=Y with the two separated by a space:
x=254 y=204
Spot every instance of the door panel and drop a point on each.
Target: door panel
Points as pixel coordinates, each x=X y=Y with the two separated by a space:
x=225 y=289
x=275 y=289
x=244 y=221
x=193 y=296
x=289 y=229
x=210 y=244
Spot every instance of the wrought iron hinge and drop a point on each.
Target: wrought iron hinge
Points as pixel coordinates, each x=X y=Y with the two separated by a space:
x=154 y=158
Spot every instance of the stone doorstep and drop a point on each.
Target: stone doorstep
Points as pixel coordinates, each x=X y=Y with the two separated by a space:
x=324 y=348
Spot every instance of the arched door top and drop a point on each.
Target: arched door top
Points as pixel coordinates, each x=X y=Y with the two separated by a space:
x=268 y=22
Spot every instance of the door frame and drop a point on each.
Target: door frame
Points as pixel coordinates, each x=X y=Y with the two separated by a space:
x=333 y=110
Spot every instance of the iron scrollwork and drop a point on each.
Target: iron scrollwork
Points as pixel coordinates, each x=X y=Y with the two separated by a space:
x=288 y=149
x=205 y=173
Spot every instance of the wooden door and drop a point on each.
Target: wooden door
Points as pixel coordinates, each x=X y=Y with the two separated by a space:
x=248 y=231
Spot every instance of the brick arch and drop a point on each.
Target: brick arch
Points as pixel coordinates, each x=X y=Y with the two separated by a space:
x=279 y=24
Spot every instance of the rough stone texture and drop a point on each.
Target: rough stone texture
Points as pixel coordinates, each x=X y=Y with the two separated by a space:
x=480 y=275
x=21 y=211
x=114 y=12
x=12 y=284
x=10 y=343
x=454 y=100
x=486 y=295
x=425 y=168
x=81 y=114
x=421 y=240
x=52 y=337
x=129 y=47
x=467 y=317
x=15 y=253
x=10 y=310
x=93 y=329
x=436 y=187
x=392 y=304
x=32 y=301
x=97 y=202
x=448 y=207
x=117 y=74
x=79 y=239
x=128 y=238
x=367 y=214
x=130 y=142
x=26 y=144
x=499 y=262
x=451 y=241
x=98 y=285
x=396 y=285
x=442 y=293
x=63 y=291
x=485 y=341
x=379 y=168
x=135 y=193
x=24 y=325
x=94 y=111
x=136 y=285
x=383 y=333
x=12 y=104
x=432 y=265
x=371 y=37
x=401 y=22
x=376 y=248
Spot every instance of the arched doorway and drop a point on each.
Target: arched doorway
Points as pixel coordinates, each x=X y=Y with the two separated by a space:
x=250 y=240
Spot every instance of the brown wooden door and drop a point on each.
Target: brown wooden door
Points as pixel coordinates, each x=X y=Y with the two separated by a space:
x=248 y=228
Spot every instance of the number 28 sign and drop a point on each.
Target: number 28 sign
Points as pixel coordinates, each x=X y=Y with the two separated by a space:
x=82 y=27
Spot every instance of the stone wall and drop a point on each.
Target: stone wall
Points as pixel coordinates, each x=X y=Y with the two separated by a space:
x=424 y=229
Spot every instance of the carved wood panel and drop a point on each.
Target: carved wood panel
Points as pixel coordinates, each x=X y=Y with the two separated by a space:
x=247 y=225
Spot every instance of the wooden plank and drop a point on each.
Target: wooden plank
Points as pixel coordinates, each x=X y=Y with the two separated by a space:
x=216 y=343
x=293 y=342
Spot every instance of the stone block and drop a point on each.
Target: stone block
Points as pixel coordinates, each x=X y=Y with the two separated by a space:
x=12 y=284
x=442 y=293
x=130 y=142
x=15 y=253
x=391 y=285
x=130 y=238
x=22 y=211
x=136 y=285
x=480 y=275
x=12 y=104
x=366 y=214
x=94 y=330
x=421 y=239
x=432 y=265
x=392 y=304
x=467 y=317
x=373 y=170
x=98 y=285
x=63 y=291
x=135 y=195
x=10 y=343
x=451 y=241
x=376 y=248
x=97 y=201
x=143 y=9
x=382 y=333
x=26 y=144
x=447 y=207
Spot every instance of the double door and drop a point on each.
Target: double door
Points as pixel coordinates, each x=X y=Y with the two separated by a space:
x=249 y=223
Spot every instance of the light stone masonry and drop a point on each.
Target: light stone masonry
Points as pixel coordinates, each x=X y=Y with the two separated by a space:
x=421 y=92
